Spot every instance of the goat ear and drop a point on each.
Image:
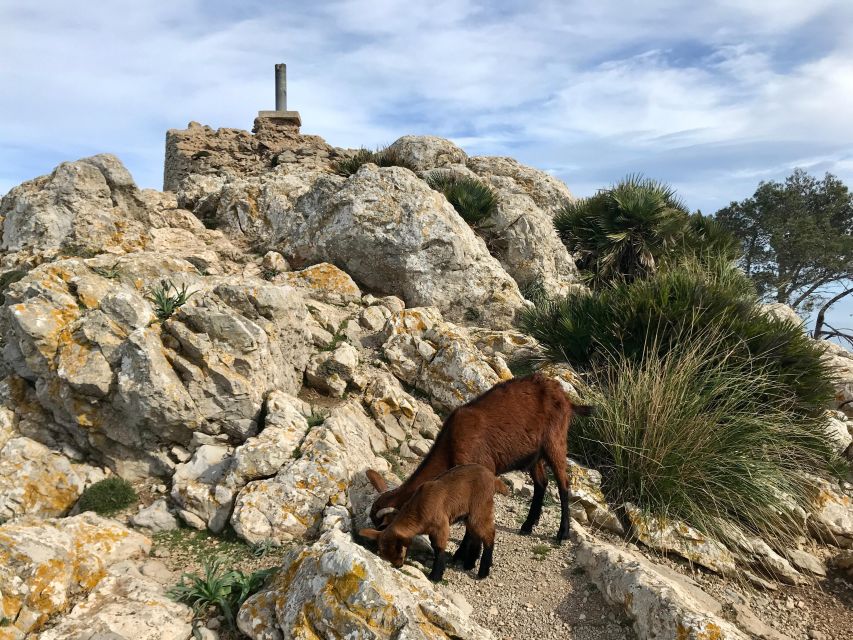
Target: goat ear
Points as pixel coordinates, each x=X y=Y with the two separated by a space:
x=370 y=534
x=377 y=481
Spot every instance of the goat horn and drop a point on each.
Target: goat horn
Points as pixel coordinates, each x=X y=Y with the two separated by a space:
x=385 y=512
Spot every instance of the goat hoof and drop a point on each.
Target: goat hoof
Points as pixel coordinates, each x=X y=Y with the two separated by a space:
x=525 y=530
x=469 y=565
x=482 y=575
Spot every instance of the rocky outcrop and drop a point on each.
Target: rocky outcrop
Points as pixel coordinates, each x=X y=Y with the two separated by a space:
x=202 y=151
x=337 y=589
x=831 y=519
x=521 y=231
x=439 y=358
x=319 y=474
x=841 y=362
x=428 y=152
x=661 y=603
x=125 y=385
x=126 y=605
x=44 y=564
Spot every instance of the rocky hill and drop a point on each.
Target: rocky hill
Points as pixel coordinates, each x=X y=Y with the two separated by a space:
x=244 y=345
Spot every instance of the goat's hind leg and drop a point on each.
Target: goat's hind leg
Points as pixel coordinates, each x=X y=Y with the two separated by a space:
x=488 y=549
x=556 y=457
x=540 y=485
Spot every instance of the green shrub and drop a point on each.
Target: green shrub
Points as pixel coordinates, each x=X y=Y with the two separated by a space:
x=473 y=199
x=384 y=157
x=668 y=309
x=167 y=298
x=701 y=435
x=108 y=496
x=224 y=589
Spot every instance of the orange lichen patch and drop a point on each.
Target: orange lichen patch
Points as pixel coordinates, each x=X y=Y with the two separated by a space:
x=324 y=277
x=48 y=585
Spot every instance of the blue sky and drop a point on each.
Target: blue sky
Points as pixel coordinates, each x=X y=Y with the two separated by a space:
x=711 y=97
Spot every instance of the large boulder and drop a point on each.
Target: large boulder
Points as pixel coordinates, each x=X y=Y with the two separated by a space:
x=521 y=230
x=840 y=361
x=125 y=385
x=45 y=564
x=337 y=589
x=832 y=515
x=427 y=152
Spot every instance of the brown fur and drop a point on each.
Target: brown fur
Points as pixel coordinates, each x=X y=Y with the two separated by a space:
x=519 y=424
x=464 y=493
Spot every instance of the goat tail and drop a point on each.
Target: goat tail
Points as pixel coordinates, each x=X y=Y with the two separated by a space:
x=500 y=487
x=583 y=409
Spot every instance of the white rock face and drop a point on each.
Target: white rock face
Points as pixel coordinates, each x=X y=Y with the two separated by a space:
x=337 y=589
x=197 y=486
x=155 y=517
x=428 y=152
x=290 y=505
x=126 y=386
x=46 y=563
x=439 y=358
x=661 y=603
x=832 y=518
x=522 y=227
x=126 y=605
x=841 y=361
x=585 y=489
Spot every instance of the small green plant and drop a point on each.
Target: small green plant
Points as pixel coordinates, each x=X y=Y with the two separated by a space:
x=338 y=337
x=110 y=273
x=167 y=298
x=264 y=547
x=223 y=589
x=383 y=157
x=5 y=622
x=8 y=278
x=269 y=274
x=108 y=496
x=316 y=418
x=473 y=199
x=540 y=551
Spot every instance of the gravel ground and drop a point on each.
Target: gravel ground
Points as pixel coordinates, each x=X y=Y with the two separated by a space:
x=535 y=590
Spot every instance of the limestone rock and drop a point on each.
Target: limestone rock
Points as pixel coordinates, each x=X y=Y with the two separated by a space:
x=841 y=361
x=521 y=231
x=324 y=282
x=330 y=371
x=390 y=231
x=585 y=489
x=782 y=311
x=156 y=517
x=196 y=486
x=125 y=387
x=832 y=515
x=290 y=505
x=661 y=603
x=672 y=536
x=439 y=358
x=337 y=589
x=839 y=434
x=428 y=152
x=396 y=412
x=36 y=481
x=126 y=605
x=46 y=563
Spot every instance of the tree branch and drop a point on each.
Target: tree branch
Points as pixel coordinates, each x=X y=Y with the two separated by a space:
x=819 y=321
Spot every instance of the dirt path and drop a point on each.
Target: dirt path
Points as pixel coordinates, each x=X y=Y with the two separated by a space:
x=535 y=590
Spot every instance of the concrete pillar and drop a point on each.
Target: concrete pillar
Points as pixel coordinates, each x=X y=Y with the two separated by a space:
x=281 y=87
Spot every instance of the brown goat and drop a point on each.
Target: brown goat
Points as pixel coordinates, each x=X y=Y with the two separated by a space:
x=519 y=424
x=466 y=493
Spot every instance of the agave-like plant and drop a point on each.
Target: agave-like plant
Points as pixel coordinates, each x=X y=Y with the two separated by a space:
x=382 y=157
x=167 y=298
x=473 y=199
x=625 y=230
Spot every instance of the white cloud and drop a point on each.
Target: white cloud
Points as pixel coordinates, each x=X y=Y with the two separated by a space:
x=711 y=97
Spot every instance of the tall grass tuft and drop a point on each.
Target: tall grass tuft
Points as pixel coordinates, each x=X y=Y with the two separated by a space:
x=670 y=308
x=474 y=200
x=383 y=157
x=108 y=496
x=701 y=435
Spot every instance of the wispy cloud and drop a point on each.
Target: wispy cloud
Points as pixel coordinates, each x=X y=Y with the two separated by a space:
x=712 y=98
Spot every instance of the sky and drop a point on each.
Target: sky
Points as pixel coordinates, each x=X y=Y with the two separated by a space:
x=710 y=97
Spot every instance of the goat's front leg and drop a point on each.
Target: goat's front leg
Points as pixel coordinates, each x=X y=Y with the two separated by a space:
x=540 y=485
x=439 y=544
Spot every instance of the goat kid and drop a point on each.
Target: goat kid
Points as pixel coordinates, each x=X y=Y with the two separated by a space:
x=464 y=493
x=519 y=424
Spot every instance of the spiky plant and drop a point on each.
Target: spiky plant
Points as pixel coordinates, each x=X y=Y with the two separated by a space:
x=167 y=298
x=701 y=435
x=474 y=200
x=382 y=157
x=623 y=231
x=218 y=587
